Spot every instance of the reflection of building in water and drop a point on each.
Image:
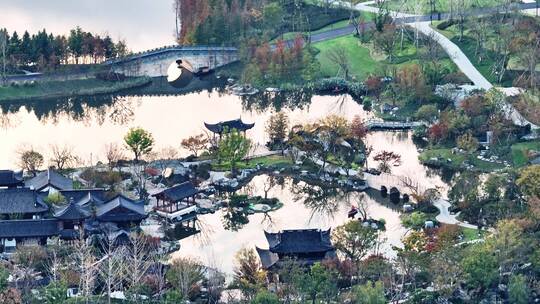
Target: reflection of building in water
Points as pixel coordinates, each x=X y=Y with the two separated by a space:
x=307 y=246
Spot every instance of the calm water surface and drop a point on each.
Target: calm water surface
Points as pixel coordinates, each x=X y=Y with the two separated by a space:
x=88 y=124
x=217 y=246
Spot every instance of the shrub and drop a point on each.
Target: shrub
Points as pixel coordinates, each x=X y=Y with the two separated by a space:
x=445 y=24
x=55 y=199
x=101 y=179
x=202 y=171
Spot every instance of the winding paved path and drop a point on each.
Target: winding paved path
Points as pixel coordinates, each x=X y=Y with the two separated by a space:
x=423 y=25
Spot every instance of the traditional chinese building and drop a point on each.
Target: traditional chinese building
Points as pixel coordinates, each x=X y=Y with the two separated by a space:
x=49 y=181
x=177 y=201
x=226 y=126
x=21 y=203
x=25 y=218
x=11 y=179
x=306 y=246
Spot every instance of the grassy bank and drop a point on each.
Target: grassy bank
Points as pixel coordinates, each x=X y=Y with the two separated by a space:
x=520 y=152
x=444 y=158
x=57 y=89
x=364 y=60
x=413 y=6
x=277 y=161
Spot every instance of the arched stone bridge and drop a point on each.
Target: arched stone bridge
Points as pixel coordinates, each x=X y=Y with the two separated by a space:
x=154 y=63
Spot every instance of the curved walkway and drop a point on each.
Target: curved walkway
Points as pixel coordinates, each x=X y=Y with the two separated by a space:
x=458 y=57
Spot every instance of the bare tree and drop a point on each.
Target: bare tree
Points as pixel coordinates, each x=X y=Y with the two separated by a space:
x=338 y=56
x=113 y=153
x=63 y=157
x=138 y=262
x=86 y=265
x=185 y=274
x=112 y=266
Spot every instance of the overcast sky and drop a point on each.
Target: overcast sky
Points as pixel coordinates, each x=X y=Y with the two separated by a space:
x=143 y=24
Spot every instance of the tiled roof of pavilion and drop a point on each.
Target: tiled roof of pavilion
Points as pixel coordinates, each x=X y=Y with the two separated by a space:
x=178 y=192
x=299 y=241
x=72 y=212
x=121 y=209
x=237 y=124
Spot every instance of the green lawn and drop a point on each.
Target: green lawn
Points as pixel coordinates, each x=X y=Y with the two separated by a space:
x=361 y=62
x=273 y=160
x=470 y=234
x=367 y=17
x=456 y=160
x=468 y=46
x=364 y=60
x=422 y=7
x=56 y=89
x=520 y=150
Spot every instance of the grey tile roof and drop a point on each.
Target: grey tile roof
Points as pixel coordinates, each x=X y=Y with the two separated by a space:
x=82 y=196
x=9 y=178
x=299 y=241
x=121 y=209
x=268 y=258
x=177 y=192
x=28 y=228
x=71 y=212
x=21 y=200
x=237 y=124
x=52 y=178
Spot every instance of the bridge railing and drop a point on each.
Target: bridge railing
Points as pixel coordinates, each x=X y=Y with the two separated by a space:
x=171 y=48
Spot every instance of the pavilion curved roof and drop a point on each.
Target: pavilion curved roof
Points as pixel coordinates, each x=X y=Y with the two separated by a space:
x=71 y=212
x=237 y=124
x=299 y=241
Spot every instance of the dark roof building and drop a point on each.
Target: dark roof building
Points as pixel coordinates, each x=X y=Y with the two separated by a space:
x=50 y=179
x=121 y=209
x=177 y=193
x=21 y=201
x=84 y=196
x=72 y=212
x=10 y=179
x=237 y=124
x=305 y=245
x=28 y=228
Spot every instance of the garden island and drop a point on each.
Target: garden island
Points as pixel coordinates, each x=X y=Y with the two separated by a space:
x=270 y=151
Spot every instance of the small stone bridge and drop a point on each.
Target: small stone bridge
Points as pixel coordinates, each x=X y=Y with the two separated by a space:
x=392 y=125
x=154 y=63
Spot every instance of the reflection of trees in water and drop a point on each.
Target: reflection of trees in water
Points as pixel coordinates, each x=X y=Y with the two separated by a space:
x=295 y=99
x=8 y=121
x=325 y=201
x=84 y=109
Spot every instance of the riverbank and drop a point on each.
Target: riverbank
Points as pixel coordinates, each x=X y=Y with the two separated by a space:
x=68 y=88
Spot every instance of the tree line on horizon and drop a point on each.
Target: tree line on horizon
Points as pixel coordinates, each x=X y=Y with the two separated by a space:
x=48 y=51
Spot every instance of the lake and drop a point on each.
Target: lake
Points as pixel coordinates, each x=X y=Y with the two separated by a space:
x=217 y=246
x=89 y=123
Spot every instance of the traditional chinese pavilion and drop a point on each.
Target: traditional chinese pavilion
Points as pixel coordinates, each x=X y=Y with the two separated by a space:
x=224 y=126
x=306 y=246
